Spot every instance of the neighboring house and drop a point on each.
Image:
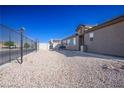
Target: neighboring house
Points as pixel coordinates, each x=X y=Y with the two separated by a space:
x=55 y=43
x=106 y=38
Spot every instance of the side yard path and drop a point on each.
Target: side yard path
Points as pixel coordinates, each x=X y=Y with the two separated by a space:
x=63 y=69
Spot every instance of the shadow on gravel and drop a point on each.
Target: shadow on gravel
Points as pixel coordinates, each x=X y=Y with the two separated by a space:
x=69 y=53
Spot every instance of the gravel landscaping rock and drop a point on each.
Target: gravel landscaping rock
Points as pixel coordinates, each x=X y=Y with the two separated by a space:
x=62 y=69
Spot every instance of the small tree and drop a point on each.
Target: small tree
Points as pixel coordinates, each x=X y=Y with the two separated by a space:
x=9 y=44
x=26 y=45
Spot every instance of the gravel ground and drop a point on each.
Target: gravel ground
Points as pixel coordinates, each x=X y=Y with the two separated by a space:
x=63 y=69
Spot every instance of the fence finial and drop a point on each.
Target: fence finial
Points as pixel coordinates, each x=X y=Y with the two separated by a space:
x=22 y=29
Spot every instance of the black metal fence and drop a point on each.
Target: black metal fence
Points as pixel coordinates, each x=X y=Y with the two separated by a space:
x=11 y=46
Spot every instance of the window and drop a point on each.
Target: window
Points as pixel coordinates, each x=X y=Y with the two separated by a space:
x=91 y=36
x=91 y=39
x=74 y=41
x=71 y=41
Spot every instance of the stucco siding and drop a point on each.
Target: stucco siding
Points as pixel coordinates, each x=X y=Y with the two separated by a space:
x=74 y=47
x=71 y=47
x=107 y=40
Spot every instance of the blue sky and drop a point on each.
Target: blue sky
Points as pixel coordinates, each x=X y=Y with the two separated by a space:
x=57 y=22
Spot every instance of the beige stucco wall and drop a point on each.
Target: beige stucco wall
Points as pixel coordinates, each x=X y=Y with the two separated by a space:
x=107 y=40
x=71 y=47
x=74 y=47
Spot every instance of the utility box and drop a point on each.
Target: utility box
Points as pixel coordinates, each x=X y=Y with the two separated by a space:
x=83 y=48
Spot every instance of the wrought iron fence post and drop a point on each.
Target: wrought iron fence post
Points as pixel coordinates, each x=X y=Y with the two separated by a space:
x=9 y=46
x=36 y=45
x=21 y=47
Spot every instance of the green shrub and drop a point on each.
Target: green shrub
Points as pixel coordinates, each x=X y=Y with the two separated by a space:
x=26 y=45
x=9 y=43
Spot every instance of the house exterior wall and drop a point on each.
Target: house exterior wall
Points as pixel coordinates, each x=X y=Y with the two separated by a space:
x=75 y=46
x=107 y=40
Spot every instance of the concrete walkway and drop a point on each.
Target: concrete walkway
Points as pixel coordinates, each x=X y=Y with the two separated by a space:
x=63 y=69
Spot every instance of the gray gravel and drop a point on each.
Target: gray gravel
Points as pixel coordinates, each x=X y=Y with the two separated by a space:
x=63 y=69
